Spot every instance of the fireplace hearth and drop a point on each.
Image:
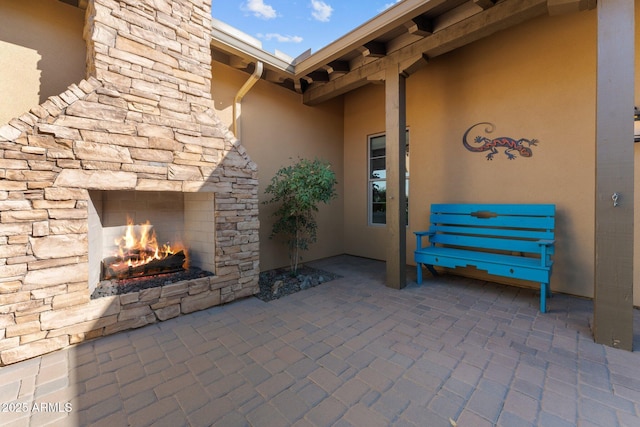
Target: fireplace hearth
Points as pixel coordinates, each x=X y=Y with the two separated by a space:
x=139 y=137
x=110 y=287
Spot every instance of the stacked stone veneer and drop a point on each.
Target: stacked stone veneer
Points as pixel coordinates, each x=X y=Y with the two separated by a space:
x=142 y=121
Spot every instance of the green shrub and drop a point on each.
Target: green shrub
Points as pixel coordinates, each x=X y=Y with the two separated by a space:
x=299 y=189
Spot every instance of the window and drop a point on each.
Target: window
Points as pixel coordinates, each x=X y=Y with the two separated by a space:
x=377 y=183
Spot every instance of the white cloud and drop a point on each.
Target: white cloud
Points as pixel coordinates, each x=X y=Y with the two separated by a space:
x=280 y=38
x=388 y=5
x=259 y=9
x=321 y=11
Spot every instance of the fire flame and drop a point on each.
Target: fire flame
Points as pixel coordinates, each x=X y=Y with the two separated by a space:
x=138 y=249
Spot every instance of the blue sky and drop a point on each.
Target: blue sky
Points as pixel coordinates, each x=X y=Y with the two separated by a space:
x=293 y=26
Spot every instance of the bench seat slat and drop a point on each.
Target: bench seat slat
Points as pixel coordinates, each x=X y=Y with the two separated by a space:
x=513 y=245
x=516 y=267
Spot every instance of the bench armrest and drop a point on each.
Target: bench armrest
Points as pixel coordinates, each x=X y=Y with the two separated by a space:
x=420 y=235
x=544 y=255
x=546 y=242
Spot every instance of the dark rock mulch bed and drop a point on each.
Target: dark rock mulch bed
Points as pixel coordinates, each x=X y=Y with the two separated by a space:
x=280 y=282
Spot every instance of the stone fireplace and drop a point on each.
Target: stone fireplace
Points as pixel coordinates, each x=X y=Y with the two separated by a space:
x=137 y=138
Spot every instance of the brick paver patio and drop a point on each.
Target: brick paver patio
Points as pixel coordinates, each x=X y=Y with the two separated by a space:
x=347 y=353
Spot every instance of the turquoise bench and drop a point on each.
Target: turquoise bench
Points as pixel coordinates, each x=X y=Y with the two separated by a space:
x=514 y=241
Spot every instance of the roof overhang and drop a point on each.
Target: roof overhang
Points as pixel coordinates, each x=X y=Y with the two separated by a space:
x=408 y=33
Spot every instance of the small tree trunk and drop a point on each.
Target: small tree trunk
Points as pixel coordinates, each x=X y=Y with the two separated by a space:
x=297 y=249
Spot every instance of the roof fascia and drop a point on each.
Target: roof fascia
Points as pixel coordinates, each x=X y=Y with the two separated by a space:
x=230 y=42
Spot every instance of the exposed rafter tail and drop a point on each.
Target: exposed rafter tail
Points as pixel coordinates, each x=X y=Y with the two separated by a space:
x=420 y=26
x=485 y=4
x=559 y=7
x=412 y=65
x=373 y=49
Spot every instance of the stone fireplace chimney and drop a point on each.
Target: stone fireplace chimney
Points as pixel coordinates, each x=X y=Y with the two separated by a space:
x=142 y=125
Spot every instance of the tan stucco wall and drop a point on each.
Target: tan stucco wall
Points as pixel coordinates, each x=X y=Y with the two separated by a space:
x=276 y=130
x=535 y=81
x=41 y=52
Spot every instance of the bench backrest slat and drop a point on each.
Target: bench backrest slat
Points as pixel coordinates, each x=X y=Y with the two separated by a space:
x=500 y=209
x=489 y=226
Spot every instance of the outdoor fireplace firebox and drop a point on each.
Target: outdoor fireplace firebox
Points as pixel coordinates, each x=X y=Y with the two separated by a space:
x=139 y=254
x=138 y=234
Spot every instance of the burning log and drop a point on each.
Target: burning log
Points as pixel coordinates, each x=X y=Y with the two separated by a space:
x=119 y=268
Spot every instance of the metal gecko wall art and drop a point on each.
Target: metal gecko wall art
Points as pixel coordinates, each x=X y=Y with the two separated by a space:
x=512 y=147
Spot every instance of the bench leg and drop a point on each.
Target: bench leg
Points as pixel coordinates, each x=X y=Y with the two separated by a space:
x=544 y=290
x=419 y=272
x=432 y=270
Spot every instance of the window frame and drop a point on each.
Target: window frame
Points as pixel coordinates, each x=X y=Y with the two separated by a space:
x=371 y=180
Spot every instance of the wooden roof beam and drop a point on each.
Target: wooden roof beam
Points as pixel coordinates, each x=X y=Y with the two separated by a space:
x=238 y=62
x=318 y=76
x=300 y=85
x=420 y=26
x=485 y=4
x=274 y=77
x=337 y=67
x=373 y=49
x=82 y=4
x=559 y=7
x=503 y=15
x=393 y=18
x=411 y=65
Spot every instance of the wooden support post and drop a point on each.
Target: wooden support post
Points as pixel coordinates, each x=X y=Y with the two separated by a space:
x=395 y=106
x=613 y=296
